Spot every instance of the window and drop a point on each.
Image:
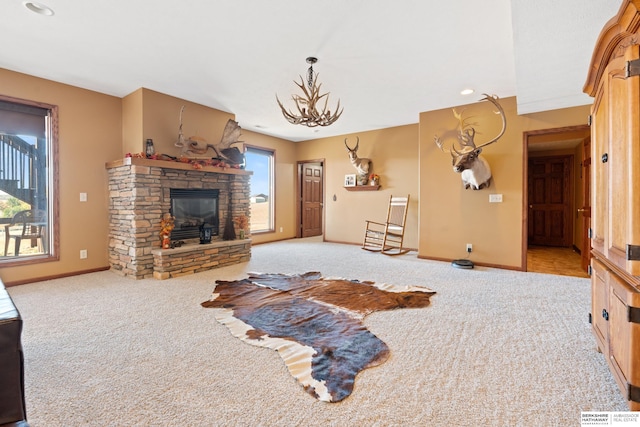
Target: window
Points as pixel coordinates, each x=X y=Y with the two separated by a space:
x=28 y=164
x=260 y=161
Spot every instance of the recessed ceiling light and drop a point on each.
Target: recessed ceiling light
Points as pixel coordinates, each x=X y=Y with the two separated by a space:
x=466 y=92
x=38 y=8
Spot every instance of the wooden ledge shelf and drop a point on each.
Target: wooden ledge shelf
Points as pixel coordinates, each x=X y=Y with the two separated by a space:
x=363 y=188
x=166 y=164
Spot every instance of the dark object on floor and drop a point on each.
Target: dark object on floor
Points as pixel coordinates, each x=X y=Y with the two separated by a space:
x=12 y=407
x=315 y=324
x=462 y=263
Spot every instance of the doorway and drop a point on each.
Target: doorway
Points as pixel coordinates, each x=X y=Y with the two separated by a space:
x=310 y=215
x=556 y=197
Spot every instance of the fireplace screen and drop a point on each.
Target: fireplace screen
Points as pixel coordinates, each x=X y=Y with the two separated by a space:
x=191 y=208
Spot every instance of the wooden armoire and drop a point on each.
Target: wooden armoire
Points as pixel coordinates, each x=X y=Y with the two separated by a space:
x=614 y=83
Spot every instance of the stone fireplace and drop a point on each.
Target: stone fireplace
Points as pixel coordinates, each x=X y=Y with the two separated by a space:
x=140 y=192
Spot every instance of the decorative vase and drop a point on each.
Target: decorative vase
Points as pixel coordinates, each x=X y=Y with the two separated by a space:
x=241 y=234
x=166 y=242
x=374 y=181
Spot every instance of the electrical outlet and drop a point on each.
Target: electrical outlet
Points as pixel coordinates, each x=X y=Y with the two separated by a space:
x=83 y=253
x=469 y=247
x=83 y=197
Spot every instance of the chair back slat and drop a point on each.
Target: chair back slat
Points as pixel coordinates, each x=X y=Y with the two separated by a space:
x=397 y=210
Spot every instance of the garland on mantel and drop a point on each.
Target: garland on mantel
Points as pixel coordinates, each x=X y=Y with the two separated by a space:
x=196 y=163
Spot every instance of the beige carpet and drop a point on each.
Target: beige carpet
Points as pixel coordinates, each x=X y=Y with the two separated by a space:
x=495 y=348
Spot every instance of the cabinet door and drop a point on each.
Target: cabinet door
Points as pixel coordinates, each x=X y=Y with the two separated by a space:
x=599 y=171
x=624 y=336
x=632 y=154
x=617 y=163
x=600 y=305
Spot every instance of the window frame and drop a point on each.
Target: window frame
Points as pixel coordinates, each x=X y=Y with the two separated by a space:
x=53 y=229
x=271 y=153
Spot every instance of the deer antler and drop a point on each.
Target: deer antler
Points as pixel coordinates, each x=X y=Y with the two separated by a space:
x=356 y=147
x=466 y=134
x=494 y=100
x=441 y=146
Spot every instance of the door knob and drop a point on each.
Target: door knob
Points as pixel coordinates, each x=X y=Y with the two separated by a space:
x=582 y=210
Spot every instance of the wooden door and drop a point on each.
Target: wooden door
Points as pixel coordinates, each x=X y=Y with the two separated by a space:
x=311 y=199
x=585 y=210
x=550 y=205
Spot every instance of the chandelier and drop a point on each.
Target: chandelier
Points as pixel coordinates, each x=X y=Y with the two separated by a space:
x=307 y=105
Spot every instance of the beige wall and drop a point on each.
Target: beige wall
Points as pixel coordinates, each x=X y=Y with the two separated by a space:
x=153 y=115
x=90 y=133
x=132 y=123
x=97 y=128
x=150 y=114
x=451 y=216
x=393 y=152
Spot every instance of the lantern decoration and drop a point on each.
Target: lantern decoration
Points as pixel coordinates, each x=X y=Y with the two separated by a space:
x=205 y=233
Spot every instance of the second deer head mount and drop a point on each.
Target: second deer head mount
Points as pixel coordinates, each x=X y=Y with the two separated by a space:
x=362 y=165
x=474 y=169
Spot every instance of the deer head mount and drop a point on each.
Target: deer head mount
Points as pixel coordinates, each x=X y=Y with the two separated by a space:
x=362 y=165
x=474 y=169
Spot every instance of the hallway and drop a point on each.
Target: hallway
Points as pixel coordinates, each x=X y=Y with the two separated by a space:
x=554 y=260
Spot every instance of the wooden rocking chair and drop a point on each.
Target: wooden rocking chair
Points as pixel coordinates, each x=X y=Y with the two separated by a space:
x=387 y=237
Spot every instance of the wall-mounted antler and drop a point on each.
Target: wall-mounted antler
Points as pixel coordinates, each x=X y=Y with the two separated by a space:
x=475 y=170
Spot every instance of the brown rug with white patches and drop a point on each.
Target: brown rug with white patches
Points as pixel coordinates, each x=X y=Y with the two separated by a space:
x=314 y=323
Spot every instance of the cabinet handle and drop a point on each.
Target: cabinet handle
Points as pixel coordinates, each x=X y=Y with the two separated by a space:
x=605 y=314
x=605 y=158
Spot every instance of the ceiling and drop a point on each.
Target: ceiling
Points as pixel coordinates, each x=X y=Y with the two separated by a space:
x=385 y=60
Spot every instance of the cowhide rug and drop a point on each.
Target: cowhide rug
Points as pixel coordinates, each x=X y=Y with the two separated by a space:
x=315 y=324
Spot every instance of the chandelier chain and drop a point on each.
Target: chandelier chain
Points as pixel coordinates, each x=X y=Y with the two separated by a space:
x=310 y=76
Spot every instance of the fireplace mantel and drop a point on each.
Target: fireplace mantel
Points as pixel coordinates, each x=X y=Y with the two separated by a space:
x=167 y=164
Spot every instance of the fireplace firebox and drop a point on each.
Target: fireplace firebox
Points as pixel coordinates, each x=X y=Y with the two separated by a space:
x=191 y=208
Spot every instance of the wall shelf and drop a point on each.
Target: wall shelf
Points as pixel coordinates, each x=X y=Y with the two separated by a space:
x=363 y=188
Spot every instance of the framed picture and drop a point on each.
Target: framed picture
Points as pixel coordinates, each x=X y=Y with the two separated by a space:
x=350 y=180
